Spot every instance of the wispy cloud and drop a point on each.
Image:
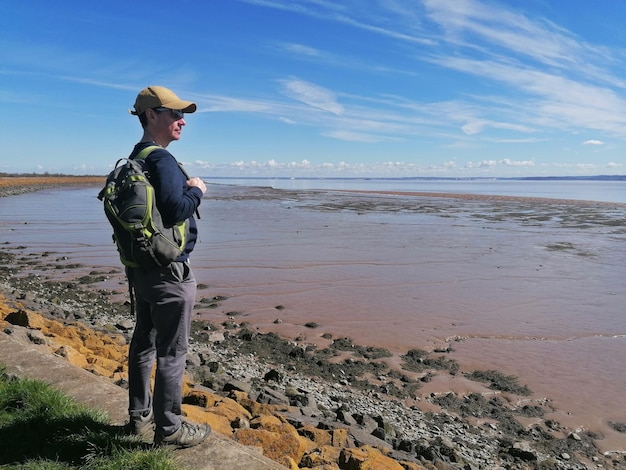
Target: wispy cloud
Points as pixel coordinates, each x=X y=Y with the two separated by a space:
x=565 y=80
x=311 y=94
x=492 y=27
x=356 y=136
x=301 y=50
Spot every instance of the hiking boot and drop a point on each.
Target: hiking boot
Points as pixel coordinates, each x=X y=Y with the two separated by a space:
x=187 y=435
x=142 y=426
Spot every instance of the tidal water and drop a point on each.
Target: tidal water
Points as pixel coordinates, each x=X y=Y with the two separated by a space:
x=592 y=190
x=532 y=288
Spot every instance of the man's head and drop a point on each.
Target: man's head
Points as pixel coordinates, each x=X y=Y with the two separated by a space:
x=161 y=113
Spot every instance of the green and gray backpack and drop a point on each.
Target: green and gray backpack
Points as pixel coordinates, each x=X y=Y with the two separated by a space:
x=138 y=231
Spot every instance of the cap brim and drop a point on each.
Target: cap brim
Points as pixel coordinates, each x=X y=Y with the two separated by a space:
x=184 y=106
x=190 y=109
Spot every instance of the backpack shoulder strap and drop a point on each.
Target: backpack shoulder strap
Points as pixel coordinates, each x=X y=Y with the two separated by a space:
x=145 y=152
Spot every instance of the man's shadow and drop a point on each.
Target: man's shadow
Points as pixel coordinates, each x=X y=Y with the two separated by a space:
x=72 y=440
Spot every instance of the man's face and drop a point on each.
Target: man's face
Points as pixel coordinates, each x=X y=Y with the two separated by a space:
x=167 y=124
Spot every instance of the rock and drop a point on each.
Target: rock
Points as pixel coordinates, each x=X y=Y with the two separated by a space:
x=339 y=437
x=72 y=356
x=366 y=422
x=125 y=325
x=37 y=337
x=26 y=319
x=273 y=376
x=574 y=436
x=240 y=423
x=364 y=438
x=345 y=417
x=324 y=458
x=319 y=436
x=522 y=451
x=366 y=458
x=380 y=434
x=237 y=385
x=405 y=445
x=276 y=446
x=193 y=360
x=272 y=397
x=219 y=423
x=214 y=336
x=213 y=366
x=298 y=353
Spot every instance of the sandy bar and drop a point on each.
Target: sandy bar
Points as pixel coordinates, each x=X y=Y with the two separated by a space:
x=492 y=198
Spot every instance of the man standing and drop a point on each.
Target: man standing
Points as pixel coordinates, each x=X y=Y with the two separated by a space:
x=164 y=297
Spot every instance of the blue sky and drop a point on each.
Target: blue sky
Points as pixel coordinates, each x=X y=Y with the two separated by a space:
x=345 y=88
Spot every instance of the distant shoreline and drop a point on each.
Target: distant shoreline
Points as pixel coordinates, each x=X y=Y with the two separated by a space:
x=13 y=185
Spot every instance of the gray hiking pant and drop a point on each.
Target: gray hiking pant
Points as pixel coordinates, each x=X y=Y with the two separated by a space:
x=164 y=299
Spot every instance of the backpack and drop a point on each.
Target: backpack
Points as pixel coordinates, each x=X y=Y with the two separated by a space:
x=130 y=206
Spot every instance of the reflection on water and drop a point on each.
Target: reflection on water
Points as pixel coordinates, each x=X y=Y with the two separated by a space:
x=533 y=289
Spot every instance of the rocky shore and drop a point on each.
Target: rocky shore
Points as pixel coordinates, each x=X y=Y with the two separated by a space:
x=338 y=407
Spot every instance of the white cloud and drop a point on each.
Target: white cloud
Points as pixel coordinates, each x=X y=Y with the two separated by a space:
x=483 y=164
x=216 y=103
x=311 y=94
x=586 y=166
x=593 y=142
x=301 y=49
x=508 y=162
x=504 y=162
x=354 y=136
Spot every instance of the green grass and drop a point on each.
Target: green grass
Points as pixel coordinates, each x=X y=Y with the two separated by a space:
x=42 y=429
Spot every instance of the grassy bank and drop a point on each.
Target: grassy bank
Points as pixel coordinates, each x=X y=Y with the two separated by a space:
x=42 y=429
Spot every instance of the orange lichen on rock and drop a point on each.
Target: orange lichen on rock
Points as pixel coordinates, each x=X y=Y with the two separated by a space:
x=280 y=447
x=367 y=458
x=97 y=352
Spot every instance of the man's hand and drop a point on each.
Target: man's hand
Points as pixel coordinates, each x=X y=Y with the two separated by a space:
x=197 y=183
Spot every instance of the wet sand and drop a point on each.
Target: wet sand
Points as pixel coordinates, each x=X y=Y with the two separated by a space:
x=533 y=288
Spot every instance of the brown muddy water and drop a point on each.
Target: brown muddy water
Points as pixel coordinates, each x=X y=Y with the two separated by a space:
x=533 y=288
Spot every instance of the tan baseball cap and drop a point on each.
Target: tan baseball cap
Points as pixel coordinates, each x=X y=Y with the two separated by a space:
x=160 y=97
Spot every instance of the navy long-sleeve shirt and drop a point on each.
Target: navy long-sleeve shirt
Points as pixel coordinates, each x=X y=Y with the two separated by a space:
x=175 y=200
